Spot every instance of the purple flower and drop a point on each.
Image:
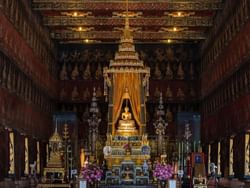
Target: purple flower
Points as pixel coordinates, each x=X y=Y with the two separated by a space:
x=92 y=173
x=163 y=171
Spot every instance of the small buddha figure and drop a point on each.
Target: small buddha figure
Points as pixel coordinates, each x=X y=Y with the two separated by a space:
x=87 y=73
x=75 y=94
x=86 y=94
x=62 y=94
x=157 y=72
x=180 y=72
x=169 y=72
x=75 y=73
x=99 y=92
x=157 y=92
x=63 y=73
x=126 y=125
x=98 y=73
x=180 y=93
x=145 y=139
x=169 y=93
x=126 y=115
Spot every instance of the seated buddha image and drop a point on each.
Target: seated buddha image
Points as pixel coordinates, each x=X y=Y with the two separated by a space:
x=126 y=126
x=87 y=73
x=126 y=115
x=157 y=72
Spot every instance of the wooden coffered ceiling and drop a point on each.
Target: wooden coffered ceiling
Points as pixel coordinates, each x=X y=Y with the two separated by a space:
x=100 y=21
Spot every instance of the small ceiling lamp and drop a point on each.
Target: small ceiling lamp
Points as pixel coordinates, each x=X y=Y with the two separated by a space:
x=179 y=14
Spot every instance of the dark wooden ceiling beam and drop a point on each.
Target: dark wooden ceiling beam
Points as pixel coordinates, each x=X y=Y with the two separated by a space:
x=93 y=5
x=166 y=21
x=116 y=35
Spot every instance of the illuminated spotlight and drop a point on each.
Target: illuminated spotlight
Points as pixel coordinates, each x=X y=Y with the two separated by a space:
x=174 y=29
x=169 y=41
x=179 y=14
x=75 y=14
x=80 y=28
x=86 y=40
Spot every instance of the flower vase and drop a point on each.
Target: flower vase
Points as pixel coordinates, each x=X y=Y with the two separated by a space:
x=163 y=183
x=92 y=185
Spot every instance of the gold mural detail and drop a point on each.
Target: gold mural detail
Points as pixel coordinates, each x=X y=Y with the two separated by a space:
x=11 y=153
x=26 y=155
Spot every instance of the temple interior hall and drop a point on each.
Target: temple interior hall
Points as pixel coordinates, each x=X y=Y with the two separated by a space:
x=125 y=93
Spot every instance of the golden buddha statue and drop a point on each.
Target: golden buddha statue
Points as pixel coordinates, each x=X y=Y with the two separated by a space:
x=157 y=72
x=63 y=73
x=180 y=93
x=157 y=92
x=75 y=94
x=87 y=73
x=169 y=93
x=169 y=72
x=99 y=92
x=180 y=72
x=98 y=73
x=86 y=94
x=75 y=73
x=126 y=124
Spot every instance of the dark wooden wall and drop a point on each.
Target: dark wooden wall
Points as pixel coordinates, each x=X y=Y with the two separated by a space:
x=225 y=81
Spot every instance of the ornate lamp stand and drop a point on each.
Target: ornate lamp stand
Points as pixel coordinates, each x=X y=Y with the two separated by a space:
x=94 y=122
x=160 y=126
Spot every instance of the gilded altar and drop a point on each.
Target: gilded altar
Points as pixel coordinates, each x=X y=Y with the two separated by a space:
x=126 y=87
x=54 y=170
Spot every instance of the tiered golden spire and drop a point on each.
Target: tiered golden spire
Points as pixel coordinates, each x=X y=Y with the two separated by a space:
x=126 y=55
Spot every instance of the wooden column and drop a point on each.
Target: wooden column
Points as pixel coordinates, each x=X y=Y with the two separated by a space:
x=4 y=165
x=246 y=155
x=219 y=159
x=19 y=154
x=38 y=158
x=209 y=159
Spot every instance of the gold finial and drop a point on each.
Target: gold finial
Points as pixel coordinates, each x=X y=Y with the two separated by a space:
x=126 y=94
x=126 y=29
